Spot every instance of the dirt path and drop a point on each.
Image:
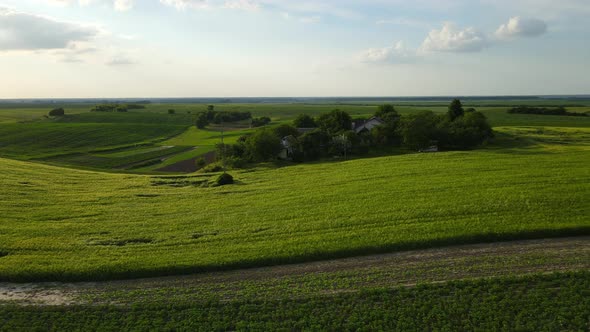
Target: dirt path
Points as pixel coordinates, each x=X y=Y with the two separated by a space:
x=386 y=270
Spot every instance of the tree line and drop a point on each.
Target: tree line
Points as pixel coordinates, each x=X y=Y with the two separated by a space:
x=543 y=111
x=331 y=134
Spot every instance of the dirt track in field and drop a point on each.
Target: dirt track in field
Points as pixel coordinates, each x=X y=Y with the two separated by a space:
x=430 y=265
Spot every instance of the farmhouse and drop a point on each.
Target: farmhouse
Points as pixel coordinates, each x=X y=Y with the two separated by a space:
x=360 y=126
x=288 y=143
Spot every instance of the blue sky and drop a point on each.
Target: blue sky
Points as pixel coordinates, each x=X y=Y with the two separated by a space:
x=207 y=48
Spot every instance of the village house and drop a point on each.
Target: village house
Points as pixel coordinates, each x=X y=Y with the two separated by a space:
x=366 y=125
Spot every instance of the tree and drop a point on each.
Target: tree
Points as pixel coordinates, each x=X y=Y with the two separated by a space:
x=263 y=145
x=455 y=109
x=259 y=122
x=171 y=111
x=211 y=108
x=419 y=130
x=57 y=112
x=314 y=144
x=202 y=120
x=304 y=121
x=386 y=109
x=285 y=130
x=335 y=122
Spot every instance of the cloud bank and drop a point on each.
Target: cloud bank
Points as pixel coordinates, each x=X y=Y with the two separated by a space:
x=451 y=39
x=521 y=27
x=21 y=31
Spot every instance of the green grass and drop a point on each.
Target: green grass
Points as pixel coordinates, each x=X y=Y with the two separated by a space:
x=556 y=302
x=38 y=140
x=128 y=159
x=63 y=224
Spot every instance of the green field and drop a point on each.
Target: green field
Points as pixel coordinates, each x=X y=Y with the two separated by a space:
x=82 y=200
x=89 y=226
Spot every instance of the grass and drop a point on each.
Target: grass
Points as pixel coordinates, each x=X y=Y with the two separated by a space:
x=39 y=140
x=556 y=302
x=127 y=159
x=58 y=227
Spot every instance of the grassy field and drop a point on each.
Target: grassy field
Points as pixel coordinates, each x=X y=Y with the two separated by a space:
x=89 y=226
x=76 y=224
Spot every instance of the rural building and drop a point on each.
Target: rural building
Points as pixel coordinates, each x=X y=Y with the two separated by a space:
x=288 y=143
x=433 y=148
x=360 y=126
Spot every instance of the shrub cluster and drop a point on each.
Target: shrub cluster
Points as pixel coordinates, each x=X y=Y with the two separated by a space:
x=224 y=179
x=259 y=122
x=110 y=108
x=543 y=111
x=57 y=112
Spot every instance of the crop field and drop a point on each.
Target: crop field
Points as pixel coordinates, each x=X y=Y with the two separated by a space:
x=490 y=239
x=123 y=226
x=380 y=289
x=532 y=303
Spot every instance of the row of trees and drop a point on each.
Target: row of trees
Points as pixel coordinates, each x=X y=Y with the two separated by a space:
x=543 y=111
x=331 y=134
x=211 y=116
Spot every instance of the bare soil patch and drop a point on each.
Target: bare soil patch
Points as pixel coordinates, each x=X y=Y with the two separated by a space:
x=189 y=165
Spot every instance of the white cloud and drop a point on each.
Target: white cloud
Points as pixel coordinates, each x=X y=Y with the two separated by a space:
x=123 y=5
x=405 y=22
x=521 y=27
x=119 y=5
x=21 y=31
x=450 y=39
x=397 y=53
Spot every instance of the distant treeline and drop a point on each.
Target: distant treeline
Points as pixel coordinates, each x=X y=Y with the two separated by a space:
x=116 y=107
x=543 y=111
x=217 y=117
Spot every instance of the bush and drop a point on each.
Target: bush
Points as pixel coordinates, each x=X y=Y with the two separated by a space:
x=171 y=112
x=57 y=112
x=224 y=179
x=259 y=122
x=200 y=162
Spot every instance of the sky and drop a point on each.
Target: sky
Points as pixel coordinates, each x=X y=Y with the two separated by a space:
x=292 y=48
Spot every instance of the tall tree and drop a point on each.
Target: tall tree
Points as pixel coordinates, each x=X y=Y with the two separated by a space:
x=335 y=122
x=385 y=109
x=456 y=109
